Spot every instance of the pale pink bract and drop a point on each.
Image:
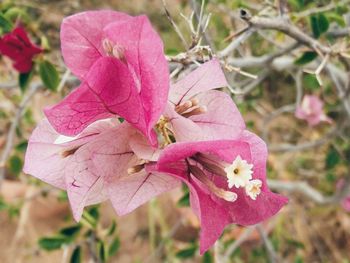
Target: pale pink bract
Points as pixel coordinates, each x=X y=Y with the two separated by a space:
x=221 y=118
x=93 y=166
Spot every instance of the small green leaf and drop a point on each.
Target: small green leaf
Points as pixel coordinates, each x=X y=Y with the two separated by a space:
x=314 y=26
x=332 y=158
x=71 y=230
x=323 y=23
x=187 y=252
x=22 y=146
x=114 y=247
x=319 y=24
x=76 y=255
x=184 y=200
x=24 y=80
x=49 y=75
x=305 y=58
x=112 y=229
x=5 y=24
x=207 y=258
x=16 y=164
x=102 y=251
x=16 y=13
x=52 y=243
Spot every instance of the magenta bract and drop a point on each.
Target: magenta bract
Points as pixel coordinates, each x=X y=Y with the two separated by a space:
x=215 y=212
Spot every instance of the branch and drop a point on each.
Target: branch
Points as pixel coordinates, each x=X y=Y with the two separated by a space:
x=283 y=26
x=12 y=131
x=310 y=192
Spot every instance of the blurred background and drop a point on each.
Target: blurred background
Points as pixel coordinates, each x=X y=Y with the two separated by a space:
x=273 y=53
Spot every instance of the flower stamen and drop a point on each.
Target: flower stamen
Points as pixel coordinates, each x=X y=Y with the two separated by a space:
x=219 y=192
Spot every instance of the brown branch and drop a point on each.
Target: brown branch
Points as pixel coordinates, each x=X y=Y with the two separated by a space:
x=285 y=27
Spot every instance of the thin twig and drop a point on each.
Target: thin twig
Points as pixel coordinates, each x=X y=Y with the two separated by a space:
x=12 y=131
x=273 y=257
x=176 y=28
x=238 y=242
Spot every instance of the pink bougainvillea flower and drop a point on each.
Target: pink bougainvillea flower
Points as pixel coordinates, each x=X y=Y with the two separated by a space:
x=17 y=46
x=121 y=63
x=196 y=111
x=107 y=160
x=311 y=110
x=227 y=182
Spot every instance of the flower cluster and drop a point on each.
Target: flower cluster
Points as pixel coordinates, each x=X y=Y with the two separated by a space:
x=184 y=132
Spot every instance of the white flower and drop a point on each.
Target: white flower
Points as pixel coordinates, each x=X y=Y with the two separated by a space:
x=253 y=188
x=239 y=173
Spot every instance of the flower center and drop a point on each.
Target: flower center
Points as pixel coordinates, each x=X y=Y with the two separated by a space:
x=190 y=108
x=163 y=129
x=238 y=174
x=114 y=50
x=219 y=192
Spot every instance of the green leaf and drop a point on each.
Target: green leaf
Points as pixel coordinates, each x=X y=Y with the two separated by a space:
x=52 y=243
x=207 y=258
x=16 y=13
x=114 y=247
x=49 y=75
x=24 y=80
x=16 y=164
x=112 y=229
x=334 y=17
x=184 y=200
x=305 y=58
x=323 y=23
x=22 y=146
x=187 y=252
x=71 y=230
x=102 y=251
x=76 y=255
x=314 y=26
x=5 y=25
x=332 y=158
x=319 y=24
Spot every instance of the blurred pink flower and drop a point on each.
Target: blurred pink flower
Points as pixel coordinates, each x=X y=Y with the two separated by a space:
x=121 y=63
x=196 y=111
x=107 y=160
x=311 y=110
x=206 y=168
x=17 y=46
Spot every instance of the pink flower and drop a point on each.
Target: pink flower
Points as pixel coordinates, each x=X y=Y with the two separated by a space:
x=107 y=160
x=196 y=111
x=17 y=46
x=121 y=63
x=206 y=168
x=311 y=110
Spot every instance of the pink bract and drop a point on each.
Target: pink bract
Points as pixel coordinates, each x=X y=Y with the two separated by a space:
x=133 y=84
x=93 y=166
x=213 y=212
x=221 y=118
x=311 y=110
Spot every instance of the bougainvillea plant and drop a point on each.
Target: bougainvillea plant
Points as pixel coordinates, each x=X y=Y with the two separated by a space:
x=120 y=136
